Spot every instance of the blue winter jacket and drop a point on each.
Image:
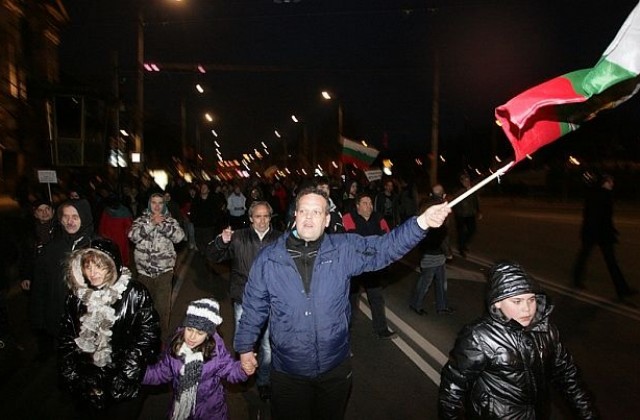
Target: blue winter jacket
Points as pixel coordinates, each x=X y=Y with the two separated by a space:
x=310 y=332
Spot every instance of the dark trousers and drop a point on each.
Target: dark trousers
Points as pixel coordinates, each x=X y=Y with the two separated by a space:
x=203 y=236
x=372 y=285
x=609 y=255
x=321 y=398
x=160 y=288
x=466 y=228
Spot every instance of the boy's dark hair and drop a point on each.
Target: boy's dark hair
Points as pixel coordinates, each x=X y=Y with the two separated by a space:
x=207 y=347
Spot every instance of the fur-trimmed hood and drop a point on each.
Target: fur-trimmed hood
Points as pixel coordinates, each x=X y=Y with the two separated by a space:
x=74 y=276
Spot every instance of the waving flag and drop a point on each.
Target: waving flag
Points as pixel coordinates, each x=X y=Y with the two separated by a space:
x=358 y=154
x=552 y=109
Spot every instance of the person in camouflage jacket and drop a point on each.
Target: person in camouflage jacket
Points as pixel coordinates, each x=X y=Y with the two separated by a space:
x=154 y=234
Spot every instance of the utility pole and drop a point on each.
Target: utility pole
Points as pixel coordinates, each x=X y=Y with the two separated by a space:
x=435 y=120
x=139 y=114
x=116 y=118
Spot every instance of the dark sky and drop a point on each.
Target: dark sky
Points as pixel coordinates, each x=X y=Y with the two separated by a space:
x=375 y=55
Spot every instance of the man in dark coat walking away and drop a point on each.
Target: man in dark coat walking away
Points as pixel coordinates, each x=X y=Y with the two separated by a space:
x=598 y=229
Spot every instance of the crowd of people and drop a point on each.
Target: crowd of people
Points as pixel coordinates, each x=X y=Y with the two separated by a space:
x=99 y=268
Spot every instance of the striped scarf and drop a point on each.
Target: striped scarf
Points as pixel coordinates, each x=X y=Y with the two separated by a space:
x=185 y=396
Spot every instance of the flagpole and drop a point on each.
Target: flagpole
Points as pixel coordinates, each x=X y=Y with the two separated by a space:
x=481 y=184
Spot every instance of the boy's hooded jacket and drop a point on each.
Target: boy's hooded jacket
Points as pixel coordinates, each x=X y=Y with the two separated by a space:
x=154 y=253
x=499 y=369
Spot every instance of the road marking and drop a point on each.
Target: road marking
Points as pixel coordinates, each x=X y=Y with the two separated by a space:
x=181 y=272
x=420 y=341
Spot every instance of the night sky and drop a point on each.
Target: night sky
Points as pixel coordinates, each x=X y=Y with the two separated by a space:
x=376 y=56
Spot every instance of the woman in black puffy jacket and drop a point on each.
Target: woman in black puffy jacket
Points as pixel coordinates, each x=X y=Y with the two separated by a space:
x=503 y=364
x=110 y=332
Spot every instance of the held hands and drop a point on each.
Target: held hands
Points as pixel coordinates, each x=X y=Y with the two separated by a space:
x=226 y=235
x=434 y=216
x=249 y=363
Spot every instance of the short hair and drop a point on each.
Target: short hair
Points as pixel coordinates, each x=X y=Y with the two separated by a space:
x=362 y=195
x=255 y=204
x=102 y=260
x=312 y=190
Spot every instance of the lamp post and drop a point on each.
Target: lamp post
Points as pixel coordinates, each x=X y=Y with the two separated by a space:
x=327 y=96
x=139 y=111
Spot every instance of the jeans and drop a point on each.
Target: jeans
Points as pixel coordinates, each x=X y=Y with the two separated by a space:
x=427 y=274
x=321 y=398
x=264 y=352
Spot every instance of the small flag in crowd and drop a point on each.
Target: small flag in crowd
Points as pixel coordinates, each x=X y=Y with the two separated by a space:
x=552 y=109
x=358 y=154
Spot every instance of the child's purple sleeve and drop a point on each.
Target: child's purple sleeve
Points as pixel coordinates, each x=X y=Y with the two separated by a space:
x=230 y=369
x=160 y=373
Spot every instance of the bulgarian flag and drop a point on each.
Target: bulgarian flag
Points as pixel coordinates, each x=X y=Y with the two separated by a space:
x=548 y=111
x=357 y=154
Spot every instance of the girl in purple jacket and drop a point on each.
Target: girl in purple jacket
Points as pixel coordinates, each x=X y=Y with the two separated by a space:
x=195 y=362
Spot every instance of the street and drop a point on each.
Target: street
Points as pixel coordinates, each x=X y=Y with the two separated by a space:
x=398 y=379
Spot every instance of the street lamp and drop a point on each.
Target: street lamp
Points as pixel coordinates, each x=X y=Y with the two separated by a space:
x=305 y=140
x=327 y=96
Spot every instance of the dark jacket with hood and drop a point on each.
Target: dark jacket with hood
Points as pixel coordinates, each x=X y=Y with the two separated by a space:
x=107 y=366
x=499 y=369
x=48 y=288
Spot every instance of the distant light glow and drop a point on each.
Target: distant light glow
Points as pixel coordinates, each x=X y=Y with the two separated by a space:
x=160 y=177
x=199 y=88
x=574 y=161
x=294 y=118
x=214 y=135
x=208 y=117
x=326 y=95
x=201 y=69
x=277 y=134
x=136 y=157
x=124 y=133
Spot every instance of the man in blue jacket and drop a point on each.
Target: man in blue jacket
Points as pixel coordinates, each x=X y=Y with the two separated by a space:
x=300 y=284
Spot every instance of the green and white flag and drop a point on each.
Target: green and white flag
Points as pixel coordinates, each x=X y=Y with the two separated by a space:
x=357 y=154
